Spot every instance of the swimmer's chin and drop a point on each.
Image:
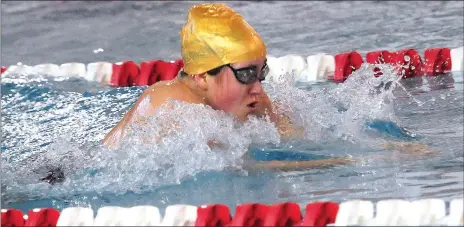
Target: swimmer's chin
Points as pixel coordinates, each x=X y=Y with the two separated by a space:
x=252 y=112
x=246 y=117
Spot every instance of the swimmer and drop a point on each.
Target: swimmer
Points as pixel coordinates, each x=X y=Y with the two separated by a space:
x=224 y=64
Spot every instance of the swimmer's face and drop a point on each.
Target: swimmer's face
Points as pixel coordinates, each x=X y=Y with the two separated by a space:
x=225 y=92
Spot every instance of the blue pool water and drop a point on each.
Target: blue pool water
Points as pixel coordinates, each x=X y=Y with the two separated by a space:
x=49 y=122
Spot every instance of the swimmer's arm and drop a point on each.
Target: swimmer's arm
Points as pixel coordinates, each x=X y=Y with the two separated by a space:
x=408 y=148
x=299 y=165
x=412 y=150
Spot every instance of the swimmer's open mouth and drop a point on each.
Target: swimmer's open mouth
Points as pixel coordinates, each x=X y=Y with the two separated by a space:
x=253 y=105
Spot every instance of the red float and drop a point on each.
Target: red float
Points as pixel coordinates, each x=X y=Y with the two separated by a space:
x=114 y=81
x=42 y=217
x=345 y=64
x=125 y=74
x=380 y=57
x=409 y=62
x=320 y=214
x=147 y=73
x=283 y=214
x=213 y=215
x=437 y=61
x=3 y=69
x=251 y=214
x=167 y=70
x=12 y=217
x=180 y=63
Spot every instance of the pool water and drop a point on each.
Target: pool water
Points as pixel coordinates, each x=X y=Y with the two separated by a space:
x=50 y=122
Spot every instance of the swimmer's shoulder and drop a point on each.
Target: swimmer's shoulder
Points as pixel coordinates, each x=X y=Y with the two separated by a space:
x=160 y=92
x=146 y=105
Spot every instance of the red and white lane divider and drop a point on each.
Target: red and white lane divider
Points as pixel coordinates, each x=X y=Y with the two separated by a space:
x=314 y=68
x=121 y=74
x=354 y=212
x=323 y=66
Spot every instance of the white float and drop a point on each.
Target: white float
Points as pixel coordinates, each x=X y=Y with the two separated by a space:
x=392 y=212
x=73 y=69
x=46 y=69
x=457 y=61
x=320 y=66
x=99 y=72
x=19 y=69
x=142 y=216
x=180 y=215
x=111 y=216
x=355 y=212
x=75 y=216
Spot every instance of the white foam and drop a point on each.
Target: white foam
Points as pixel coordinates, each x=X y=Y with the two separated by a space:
x=142 y=161
x=339 y=112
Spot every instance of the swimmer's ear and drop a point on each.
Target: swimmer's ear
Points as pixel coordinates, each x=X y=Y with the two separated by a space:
x=201 y=80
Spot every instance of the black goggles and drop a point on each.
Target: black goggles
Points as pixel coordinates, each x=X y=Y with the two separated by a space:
x=250 y=74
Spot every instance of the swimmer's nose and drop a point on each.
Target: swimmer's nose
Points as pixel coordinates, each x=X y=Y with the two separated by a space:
x=256 y=88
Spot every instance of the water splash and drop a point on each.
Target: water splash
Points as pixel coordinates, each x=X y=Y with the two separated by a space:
x=143 y=162
x=173 y=145
x=339 y=112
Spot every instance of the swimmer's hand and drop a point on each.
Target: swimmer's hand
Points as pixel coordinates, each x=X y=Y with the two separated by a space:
x=212 y=144
x=300 y=165
x=289 y=130
x=408 y=148
x=55 y=175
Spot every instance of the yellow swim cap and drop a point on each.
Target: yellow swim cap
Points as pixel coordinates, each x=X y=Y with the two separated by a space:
x=215 y=35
